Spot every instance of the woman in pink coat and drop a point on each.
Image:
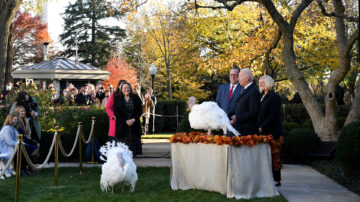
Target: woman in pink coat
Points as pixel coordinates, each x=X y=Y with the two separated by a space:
x=110 y=113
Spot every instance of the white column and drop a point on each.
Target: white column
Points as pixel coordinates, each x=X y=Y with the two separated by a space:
x=57 y=86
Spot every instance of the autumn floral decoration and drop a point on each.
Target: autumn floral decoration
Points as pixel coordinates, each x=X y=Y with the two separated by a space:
x=200 y=137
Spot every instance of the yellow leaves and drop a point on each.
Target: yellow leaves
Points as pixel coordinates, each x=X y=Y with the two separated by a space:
x=53 y=130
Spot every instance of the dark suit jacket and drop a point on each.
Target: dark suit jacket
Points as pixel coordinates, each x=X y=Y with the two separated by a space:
x=247 y=109
x=222 y=98
x=269 y=118
x=80 y=99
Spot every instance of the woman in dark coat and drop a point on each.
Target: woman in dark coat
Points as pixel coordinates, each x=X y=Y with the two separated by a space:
x=127 y=110
x=269 y=118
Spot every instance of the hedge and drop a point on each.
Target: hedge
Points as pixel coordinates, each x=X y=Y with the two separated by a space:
x=298 y=143
x=297 y=113
x=348 y=147
x=163 y=123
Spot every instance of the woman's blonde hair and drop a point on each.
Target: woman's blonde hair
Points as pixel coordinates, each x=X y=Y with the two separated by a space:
x=8 y=121
x=269 y=82
x=17 y=109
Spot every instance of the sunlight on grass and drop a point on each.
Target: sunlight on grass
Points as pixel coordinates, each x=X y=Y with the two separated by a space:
x=157 y=136
x=153 y=185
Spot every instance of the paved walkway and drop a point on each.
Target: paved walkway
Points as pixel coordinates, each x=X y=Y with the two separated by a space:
x=302 y=183
x=299 y=183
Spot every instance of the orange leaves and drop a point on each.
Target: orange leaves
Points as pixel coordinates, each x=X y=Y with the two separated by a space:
x=120 y=69
x=199 y=137
x=275 y=146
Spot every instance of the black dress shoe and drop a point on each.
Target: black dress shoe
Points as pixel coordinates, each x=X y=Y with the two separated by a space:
x=278 y=184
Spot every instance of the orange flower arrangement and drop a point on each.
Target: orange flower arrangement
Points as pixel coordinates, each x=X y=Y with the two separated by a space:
x=199 y=137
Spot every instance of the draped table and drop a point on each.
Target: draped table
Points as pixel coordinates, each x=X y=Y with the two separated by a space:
x=237 y=172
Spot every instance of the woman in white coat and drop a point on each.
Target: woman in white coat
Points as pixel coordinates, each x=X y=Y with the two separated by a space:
x=8 y=138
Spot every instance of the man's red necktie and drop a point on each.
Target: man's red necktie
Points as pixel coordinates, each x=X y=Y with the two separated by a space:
x=231 y=91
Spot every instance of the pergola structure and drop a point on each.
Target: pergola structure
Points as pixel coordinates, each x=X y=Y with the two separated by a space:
x=61 y=71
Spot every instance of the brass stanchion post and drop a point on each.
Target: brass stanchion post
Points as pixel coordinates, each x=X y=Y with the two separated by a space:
x=56 y=153
x=93 y=145
x=18 y=167
x=80 y=124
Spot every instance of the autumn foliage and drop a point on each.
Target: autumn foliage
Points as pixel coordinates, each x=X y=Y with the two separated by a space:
x=29 y=35
x=120 y=69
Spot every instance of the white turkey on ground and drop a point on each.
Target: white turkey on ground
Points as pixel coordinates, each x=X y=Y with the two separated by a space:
x=209 y=116
x=119 y=166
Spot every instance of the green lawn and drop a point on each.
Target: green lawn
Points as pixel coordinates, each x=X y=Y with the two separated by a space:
x=157 y=136
x=153 y=185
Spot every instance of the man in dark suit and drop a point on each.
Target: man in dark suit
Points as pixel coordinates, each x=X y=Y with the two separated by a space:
x=247 y=108
x=81 y=98
x=229 y=93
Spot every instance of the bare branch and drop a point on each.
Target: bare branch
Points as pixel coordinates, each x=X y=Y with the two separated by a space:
x=333 y=14
x=304 y=4
x=350 y=42
x=276 y=16
x=224 y=3
x=272 y=46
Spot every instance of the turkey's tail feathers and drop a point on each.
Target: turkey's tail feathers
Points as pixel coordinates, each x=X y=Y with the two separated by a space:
x=104 y=150
x=232 y=129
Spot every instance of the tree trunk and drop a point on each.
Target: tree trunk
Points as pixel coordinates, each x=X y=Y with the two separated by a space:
x=354 y=113
x=7 y=12
x=168 y=81
x=323 y=125
x=93 y=30
x=10 y=55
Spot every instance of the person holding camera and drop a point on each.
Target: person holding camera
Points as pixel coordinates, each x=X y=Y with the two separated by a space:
x=32 y=112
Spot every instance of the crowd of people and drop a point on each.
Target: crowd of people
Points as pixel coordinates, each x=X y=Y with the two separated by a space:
x=252 y=109
x=124 y=107
x=22 y=119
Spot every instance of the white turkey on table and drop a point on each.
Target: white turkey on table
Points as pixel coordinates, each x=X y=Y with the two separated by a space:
x=209 y=116
x=119 y=166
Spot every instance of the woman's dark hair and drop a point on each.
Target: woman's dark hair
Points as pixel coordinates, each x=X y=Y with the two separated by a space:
x=20 y=98
x=118 y=91
x=28 y=105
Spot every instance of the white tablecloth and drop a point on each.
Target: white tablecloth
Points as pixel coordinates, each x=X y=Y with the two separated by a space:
x=237 y=172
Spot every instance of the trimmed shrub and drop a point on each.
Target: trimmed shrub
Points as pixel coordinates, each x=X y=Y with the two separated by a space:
x=308 y=124
x=341 y=121
x=298 y=143
x=184 y=126
x=68 y=117
x=297 y=113
x=168 y=108
x=289 y=126
x=348 y=147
